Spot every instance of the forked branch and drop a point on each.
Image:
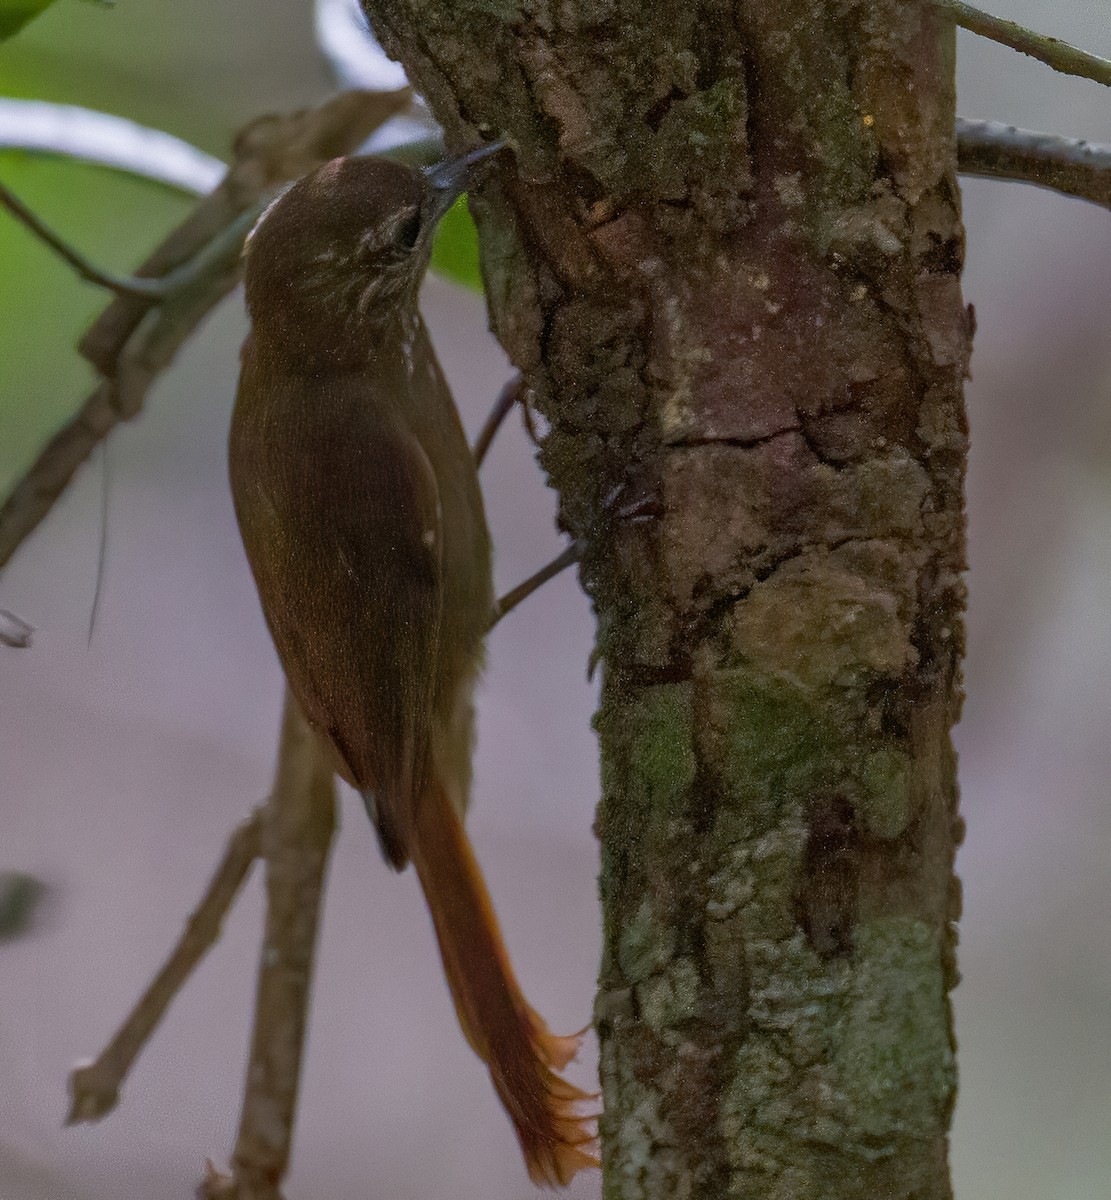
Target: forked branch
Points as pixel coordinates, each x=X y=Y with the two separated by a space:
x=297 y=842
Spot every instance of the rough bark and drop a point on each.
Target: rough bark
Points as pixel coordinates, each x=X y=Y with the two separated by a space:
x=727 y=260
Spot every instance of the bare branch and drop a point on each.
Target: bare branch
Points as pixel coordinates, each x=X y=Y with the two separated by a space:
x=294 y=833
x=1062 y=57
x=300 y=825
x=95 y=1087
x=992 y=150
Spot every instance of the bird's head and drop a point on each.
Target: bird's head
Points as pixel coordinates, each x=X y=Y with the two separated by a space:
x=339 y=256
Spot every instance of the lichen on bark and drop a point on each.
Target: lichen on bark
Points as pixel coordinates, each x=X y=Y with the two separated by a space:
x=726 y=257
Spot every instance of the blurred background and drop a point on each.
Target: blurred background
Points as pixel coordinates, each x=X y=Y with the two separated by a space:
x=124 y=763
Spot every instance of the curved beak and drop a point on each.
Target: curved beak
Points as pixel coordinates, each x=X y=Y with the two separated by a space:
x=450 y=179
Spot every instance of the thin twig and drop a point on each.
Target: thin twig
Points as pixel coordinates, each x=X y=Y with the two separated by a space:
x=144 y=289
x=102 y=541
x=523 y=590
x=993 y=150
x=299 y=830
x=1050 y=50
x=95 y=1088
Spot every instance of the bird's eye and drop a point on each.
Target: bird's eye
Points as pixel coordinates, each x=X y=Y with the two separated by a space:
x=409 y=230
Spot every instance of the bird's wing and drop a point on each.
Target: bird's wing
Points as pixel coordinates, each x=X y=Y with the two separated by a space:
x=340 y=516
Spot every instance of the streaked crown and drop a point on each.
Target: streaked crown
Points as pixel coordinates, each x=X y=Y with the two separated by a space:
x=339 y=255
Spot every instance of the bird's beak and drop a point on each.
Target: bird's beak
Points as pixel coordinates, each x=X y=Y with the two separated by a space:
x=451 y=178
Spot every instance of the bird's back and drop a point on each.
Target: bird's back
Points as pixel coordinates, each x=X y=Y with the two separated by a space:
x=372 y=567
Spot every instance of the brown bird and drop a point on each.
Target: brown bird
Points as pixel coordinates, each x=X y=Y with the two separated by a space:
x=359 y=506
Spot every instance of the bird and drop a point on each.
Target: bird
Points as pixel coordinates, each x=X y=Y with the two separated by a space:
x=360 y=512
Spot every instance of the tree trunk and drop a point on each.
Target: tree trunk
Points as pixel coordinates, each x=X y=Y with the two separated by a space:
x=727 y=261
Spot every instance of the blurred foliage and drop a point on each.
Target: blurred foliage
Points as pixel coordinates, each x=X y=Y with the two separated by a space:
x=14 y=14
x=455 y=251
x=20 y=895
x=111 y=217
x=199 y=70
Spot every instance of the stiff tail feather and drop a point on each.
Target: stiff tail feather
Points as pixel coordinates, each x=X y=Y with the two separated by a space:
x=501 y=1026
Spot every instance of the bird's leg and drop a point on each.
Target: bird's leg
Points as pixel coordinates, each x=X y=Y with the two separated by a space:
x=627 y=502
x=511 y=394
x=523 y=590
x=514 y=393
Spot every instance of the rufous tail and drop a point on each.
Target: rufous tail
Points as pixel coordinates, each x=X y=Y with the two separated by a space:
x=503 y=1029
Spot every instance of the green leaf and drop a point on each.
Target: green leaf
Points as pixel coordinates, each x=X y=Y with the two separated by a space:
x=455 y=250
x=14 y=14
